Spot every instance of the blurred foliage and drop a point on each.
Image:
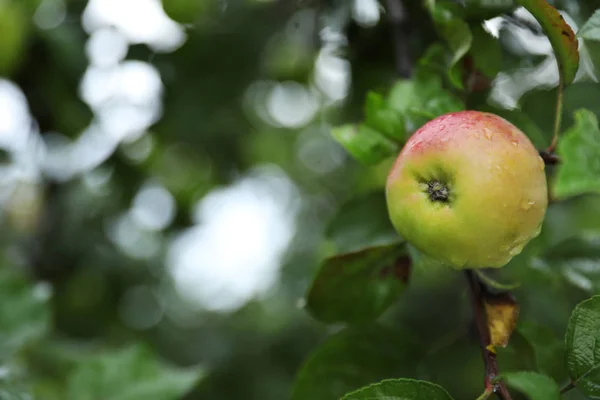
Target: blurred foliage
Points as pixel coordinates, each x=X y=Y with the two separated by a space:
x=91 y=305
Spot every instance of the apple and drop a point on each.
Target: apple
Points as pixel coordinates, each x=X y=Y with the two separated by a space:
x=468 y=190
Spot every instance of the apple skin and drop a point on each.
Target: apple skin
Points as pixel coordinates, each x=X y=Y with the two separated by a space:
x=468 y=190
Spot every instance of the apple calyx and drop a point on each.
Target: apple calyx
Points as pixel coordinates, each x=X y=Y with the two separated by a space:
x=438 y=191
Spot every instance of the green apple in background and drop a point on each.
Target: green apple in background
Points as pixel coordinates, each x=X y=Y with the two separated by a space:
x=468 y=190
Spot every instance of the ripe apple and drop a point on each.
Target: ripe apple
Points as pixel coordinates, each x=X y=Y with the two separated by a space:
x=468 y=190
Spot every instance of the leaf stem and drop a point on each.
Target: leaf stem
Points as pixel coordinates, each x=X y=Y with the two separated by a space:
x=476 y=291
x=557 y=116
x=485 y=395
x=569 y=386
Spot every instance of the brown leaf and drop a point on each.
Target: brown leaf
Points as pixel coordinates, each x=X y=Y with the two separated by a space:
x=502 y=313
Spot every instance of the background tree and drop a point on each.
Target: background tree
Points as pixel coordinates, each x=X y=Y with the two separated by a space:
x=175 y=175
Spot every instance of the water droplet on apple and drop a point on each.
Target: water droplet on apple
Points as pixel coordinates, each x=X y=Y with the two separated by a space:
x=442 y=127
x=515 y=250
x=488 y=134
x=527 y=204
x=515 y=143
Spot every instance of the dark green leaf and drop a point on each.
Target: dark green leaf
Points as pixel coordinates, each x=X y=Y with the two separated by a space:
x=486 y=51
x=354 y=358
x=577 y=259
x=579 y=171
x=535 y=386
x=24 y=313
x=560 y=34
x=400 y=389
x=357 y=287
x=517 y=356
x=365 y=144
x=548 y=349
x=583 y=358
x=591 y=29
x=129 y=374
x=362 y=222
x=484 y=9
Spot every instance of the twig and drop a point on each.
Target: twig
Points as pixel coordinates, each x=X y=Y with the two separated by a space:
x=569 y=386
x=476 y=291
x=557 y=117
x=397 y=18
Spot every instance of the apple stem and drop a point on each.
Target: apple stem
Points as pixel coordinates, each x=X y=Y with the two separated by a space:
x=477 y=291
x=557 y=117
x=549 y=158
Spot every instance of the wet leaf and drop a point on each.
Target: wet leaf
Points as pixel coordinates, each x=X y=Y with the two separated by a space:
x=579 y=146
x=583 y=358
x=560 y=34
x=358 y=287
x=400 y=389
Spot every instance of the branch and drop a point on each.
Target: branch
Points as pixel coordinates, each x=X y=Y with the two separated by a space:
x=397 y=18
x=477 y=291
x=568 y=387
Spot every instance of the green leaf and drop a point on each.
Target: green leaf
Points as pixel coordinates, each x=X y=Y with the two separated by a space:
x=25 y=314
x=14 y=31
x=133 y=373
x=583 y=357
x=365 y=144
x=380 y=116
x=422 y=99
x=579 y=147
x=400 y=389
x=354 y=358
x=535 y=386
x=456 y=33
x=486 y=51
x=548 y=349
x=358 y=287
x=517 y=356
x=560 y=34
x=362 y=222
x=591 y=29
x=577 y=258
